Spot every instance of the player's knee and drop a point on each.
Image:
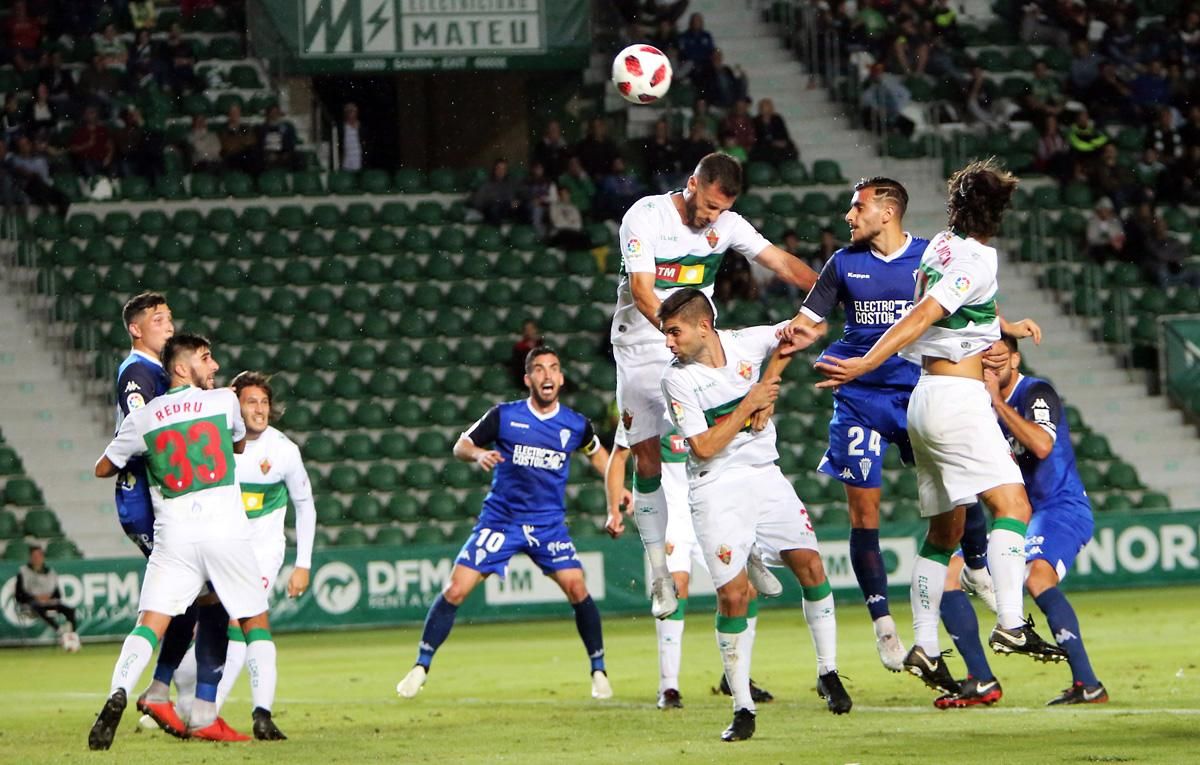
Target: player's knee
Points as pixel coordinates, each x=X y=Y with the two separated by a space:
x=455 y=594
x=734 y=598
x=1041 y=577
x=576 y=591
x=864 y=507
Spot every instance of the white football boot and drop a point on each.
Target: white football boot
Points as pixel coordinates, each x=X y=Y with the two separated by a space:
x=412 y=682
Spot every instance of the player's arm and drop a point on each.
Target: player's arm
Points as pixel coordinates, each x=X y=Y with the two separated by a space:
x=809 y=325
x=237 y=425
x=689 y=420
x=1035 y=429
x=637 y=253
x=300 y=491
x=135 y=387
x=899 y=336
x=644 y=297
x=120 y=450
x=787 y=267
x=614 y=490
x=485 y=431
x=1022 y=328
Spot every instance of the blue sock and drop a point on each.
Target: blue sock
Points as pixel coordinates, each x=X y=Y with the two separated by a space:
x=958 y=615
x=975 y=537
x=1065 y=626
x=212 y=640
x=867 y=560
x=438 y=623
x=587 y=621
x=174 y=644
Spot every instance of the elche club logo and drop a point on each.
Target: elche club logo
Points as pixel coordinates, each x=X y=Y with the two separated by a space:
x=745 y=369
x=712 y=237
x=336 y=588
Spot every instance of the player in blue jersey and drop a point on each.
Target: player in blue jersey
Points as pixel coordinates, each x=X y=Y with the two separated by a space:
x=873 y=279
x=1032 y=418
x=140 y=379
x=525 y=511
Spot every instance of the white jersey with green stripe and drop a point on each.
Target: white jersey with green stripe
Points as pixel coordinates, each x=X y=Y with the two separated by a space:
x=960 y=274
x=699 y=396
x=271 y=473
x=655 y=240
x=187 y=436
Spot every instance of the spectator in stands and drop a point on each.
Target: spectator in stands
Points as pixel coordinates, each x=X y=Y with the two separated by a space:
x=980 y=99
x=908 y=49
x=531 y=337
x=23 y=32
x=352 y=139
x=1164 y=137
x=109 y=47
x=30 y=170
x=1085 y=69
x=1038 y=27
x=1149 y=168
x=1109 y=98
x=1139 y=230
x=666 y=39
x=59 y=82
x=696 y=45
x=661 y=155
x=144 y=65
x=1182 y=184
x=91 y=146
x=12 y=119
x=825 y=249
x=1043 y=96
x=143 y=15
x=99 y=85
x=37 y=589
x=11 y=195
x=539 y=192
x=1118 y=42
x=883 y=99
x=596 y=151
x=239 y=143
x=730 y=146
x=1151 y=89
x=718 y=83
x=1188 y=38
x=579 y=184
x=619 y=189
x=1106 y=175
x=1053 y=155
x=696 y=146
x=566 y=223
x=734 y=281
x=277 y=141
x=702 y=113
x=1166 y=259
x=739 y=125
x=40 y=113
x=498 y=199
x=1105 y=233
x=180 y=61
x=772 y=142
x=940 y=53
x=203 y=146
x=551 y=151
x=1085 y=139
x=666 y=11
x=139 y=149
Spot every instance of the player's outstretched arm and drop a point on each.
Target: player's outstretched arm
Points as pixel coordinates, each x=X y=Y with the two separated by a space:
x=467 y=451
x=1022 y=328
x=105 y=468
x=899 y=336
x=641 y=284
x=800 y=333
x=707 y=444
x=615 y=492
x=787 y=267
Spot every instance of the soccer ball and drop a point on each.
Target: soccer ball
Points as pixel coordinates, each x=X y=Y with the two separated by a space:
x=641 y=74
x=70 y=642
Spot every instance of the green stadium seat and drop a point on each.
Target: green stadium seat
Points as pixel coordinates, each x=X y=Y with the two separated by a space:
x=62 y=549
x=298 y=417
x=410 y=181
x=376 y=182
x=365 y=508
x=352 y=537
x=428 y=212
x=371 y=415
x=1093 y=446
x=343 y=182
x=459 y=475
x=428 y=535
x=9 y=527
x=391 y=536
x=40 y=522
x=1123 y=476
x=431 y=443
x=320 y=448
x=17 y=551
x=221 y=220
x=307 y=183
x=442 y=506
x=904 y=486
x=827 y=172
x=121 y=223
x=22 y=492
x=1117 y=502
x=420 y=475
x=402 y=507
x=1153 y=500
x=358 y=447
x=761 y=174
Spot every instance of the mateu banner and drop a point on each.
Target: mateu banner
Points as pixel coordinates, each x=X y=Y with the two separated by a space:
x=387 y=586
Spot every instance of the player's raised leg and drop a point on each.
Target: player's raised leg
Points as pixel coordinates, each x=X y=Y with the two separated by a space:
x=980 y=686
x=438 y=623
x=975 y=578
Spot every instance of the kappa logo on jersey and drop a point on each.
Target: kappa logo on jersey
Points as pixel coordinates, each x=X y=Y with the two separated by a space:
x=265 y=466
x=853 y=275
x=724 y=554
x=712 y=237
x=132 y=386
x=521 y=425
x=677 y=274
x=564 y=436
x=745 y=369
x=634 y=246
x=847 y=474
x=865 y=466
x=134 y=401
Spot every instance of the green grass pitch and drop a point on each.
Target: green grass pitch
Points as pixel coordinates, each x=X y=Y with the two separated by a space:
x=520 y=693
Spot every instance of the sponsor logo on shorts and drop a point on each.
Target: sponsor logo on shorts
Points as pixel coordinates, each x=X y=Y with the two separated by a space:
x=633 y=246
x=724 y=554
x=745 y=369
x=712 y=237
x=265 y=466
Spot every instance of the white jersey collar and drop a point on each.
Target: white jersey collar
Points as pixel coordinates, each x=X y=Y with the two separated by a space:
x=539 y=415
x=892 y=255
x=1017 y=384
x=146 y=356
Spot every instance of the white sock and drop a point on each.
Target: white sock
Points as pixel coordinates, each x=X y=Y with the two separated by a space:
x=670 y=652
x=136 y=653
x=157 y=691
x=1006 y=562
x=747 y=649
x=822 y=623
x=650 y=515
x=235 y=659
x=185 y=684
x=737 y=665
x=928 y=582
x=260 y=664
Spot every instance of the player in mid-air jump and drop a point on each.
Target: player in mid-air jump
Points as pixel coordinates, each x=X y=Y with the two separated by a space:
x=1032 y=417
x=525 y=511
x=668 y=242
x=739 y=496
x=961 y=454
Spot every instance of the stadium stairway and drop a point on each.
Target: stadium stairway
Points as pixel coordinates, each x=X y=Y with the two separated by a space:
x=1144 y=430
x=55 y=433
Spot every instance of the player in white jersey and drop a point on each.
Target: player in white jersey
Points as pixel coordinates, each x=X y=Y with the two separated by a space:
x=667 y=242
x=201 y=534
x=739 y=496
x=683 y=556
x=271 y=474
x=960 y=451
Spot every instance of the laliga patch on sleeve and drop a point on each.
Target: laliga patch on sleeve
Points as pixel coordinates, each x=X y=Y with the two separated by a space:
x=134 y=401
x=961 y=285
x=633 y=246
x=677 y=410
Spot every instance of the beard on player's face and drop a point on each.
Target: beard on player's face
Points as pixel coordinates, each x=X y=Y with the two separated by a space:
x=545 y=390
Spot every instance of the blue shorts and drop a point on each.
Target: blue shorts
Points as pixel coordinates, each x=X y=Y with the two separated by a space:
x=1057 y=538
x=492 y=545
x=865 y=420
x=135 y=510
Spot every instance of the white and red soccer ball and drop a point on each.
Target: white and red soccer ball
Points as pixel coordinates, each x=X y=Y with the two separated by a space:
x=641 y=74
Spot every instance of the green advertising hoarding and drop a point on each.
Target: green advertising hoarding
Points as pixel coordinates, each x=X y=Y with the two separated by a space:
x=345 y=36
x=387 y=586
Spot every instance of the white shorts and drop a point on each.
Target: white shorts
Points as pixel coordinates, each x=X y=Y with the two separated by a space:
x=956 y=440
x=639 y=389
x=683 y=551
x=745 y=506
x=270 y=547
x=176 y=573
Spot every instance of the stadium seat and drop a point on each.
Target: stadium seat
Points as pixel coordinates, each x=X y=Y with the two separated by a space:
x=391 y=536
x=1121 y=475
x=428 y=535
x=420 y=475
x=442 y=506
x=17 y=551
x=22 y=492
x=62 y=549
x=333 y=415
x=40 y=522
x=352 y=537
x=365 y=508
x=403 y=508
x=1153 y=500
x=431 y=443
x=9 y=527
x=827 y=172
x=371 y=415
x=358 y=447
x=410 y=181
x=320 y=448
